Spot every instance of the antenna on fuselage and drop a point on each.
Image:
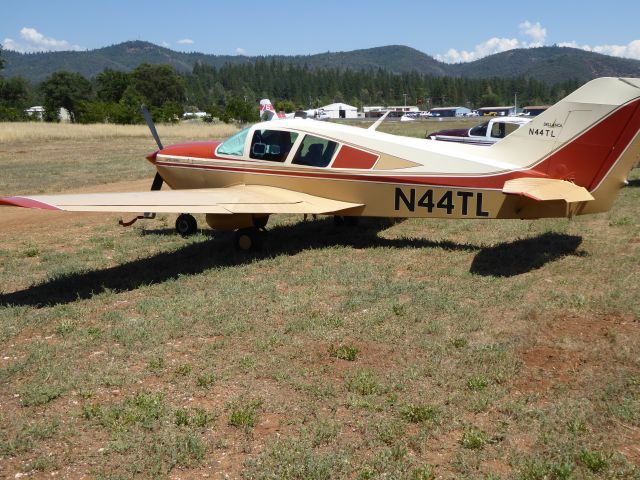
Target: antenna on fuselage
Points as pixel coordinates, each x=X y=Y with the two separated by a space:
x=379 y=121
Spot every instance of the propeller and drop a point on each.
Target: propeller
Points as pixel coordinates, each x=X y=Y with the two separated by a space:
x=157 y=180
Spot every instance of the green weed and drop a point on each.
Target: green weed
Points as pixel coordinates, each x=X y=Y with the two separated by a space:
x=344 y=352
x=206 y=380
x=473 y=438
x=363 y=382
x=420 y=413
x=244 y=413
x=594 y=461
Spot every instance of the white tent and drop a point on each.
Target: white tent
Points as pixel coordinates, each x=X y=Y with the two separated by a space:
x=341 y=110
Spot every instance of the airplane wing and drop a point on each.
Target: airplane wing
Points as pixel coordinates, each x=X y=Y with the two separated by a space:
x=546 y=189
x=229 y=200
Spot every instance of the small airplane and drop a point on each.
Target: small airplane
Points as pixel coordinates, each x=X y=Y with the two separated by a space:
x=570 y=160
x=268 y=113
x=486 y=133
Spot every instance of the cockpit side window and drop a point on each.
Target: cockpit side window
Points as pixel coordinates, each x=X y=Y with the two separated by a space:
x=502 y=129
x=497 y=131
x=272 y=145
x=234 y=145
x=315 y=152
x=479 y=130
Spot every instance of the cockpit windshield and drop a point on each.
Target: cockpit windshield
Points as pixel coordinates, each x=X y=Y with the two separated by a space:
x=234 y=145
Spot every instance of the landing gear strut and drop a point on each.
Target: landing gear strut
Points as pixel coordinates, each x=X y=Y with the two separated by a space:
x=186 y=224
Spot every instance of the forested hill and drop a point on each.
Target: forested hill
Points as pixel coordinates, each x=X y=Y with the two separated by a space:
x=552 y=64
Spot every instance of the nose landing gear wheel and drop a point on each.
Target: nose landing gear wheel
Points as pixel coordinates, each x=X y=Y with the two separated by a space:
x=186 y=224
x=248 y=239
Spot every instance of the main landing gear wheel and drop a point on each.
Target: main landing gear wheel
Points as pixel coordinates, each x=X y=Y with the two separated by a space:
x=248 y=239
x=186 y=224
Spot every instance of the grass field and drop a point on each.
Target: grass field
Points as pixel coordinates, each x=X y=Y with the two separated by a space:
x=419 y=350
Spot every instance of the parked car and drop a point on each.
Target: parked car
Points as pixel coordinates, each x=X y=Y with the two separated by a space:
x=487 y=133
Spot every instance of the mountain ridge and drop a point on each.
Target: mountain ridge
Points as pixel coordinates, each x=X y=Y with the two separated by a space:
x=553 y=64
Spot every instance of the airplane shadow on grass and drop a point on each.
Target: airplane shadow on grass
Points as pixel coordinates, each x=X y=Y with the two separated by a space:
x=503 y=260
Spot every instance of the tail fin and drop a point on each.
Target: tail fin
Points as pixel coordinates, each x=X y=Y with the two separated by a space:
x=590 y=138
x=267 y=112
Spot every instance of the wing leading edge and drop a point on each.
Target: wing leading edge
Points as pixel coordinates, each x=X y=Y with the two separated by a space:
x=229 y=200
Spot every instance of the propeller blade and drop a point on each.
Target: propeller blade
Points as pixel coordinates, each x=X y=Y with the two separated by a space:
x=157 y=182
x=151 y=125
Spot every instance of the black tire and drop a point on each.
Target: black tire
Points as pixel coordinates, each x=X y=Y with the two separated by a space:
x=248 y=239
x=260 y=222
x=186 y=224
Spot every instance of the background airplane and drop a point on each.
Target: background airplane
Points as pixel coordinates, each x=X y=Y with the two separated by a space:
x=268 y=113
x=570 y=160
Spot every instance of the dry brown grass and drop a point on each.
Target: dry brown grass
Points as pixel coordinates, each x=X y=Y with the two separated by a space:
x=28 y=131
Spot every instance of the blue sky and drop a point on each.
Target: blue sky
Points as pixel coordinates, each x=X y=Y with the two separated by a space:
x=449 y=30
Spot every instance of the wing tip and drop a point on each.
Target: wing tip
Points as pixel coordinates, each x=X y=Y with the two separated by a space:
x=26 y=202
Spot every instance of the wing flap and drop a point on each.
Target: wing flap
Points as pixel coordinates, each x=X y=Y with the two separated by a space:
x=547 y=189
x=229 y=200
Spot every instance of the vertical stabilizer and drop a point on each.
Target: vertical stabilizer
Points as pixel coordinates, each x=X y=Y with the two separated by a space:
x=590 y=138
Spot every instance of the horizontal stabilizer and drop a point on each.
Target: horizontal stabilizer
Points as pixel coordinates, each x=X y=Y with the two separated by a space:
x=547 y=189
x=236 y=199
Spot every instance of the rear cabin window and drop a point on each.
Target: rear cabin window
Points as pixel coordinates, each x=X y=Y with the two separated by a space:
x=315 y=152
x=501 y=130
x=234 y=145
x=272 y=145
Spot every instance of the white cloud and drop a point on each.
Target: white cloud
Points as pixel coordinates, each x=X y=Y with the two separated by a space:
x=488 y=47
x=536 y=31
x=537 y=36
x=165 y=44
x=630 y=50
x=34 y=41
x=240 y=51
x=186 y=41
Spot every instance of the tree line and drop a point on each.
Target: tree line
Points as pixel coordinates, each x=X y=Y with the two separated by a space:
x=232 y=92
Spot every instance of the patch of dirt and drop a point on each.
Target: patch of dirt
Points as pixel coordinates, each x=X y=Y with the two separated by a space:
x=545 y=366
x=572 y=349
x=496 y=467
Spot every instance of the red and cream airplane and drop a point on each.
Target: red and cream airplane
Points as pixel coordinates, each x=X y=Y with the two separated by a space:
x=570 y=160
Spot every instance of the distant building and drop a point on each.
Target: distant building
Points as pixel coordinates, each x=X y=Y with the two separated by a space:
x=188 y=115
x=340 y=110
x=36 y=111
x=534 y=110
x=501 y=111
x=396 y=110
x=450 y=111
